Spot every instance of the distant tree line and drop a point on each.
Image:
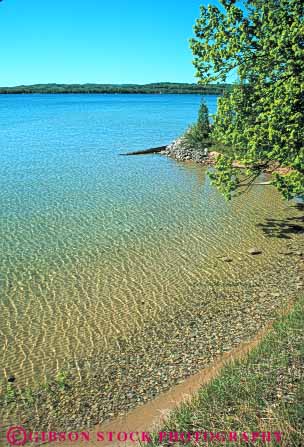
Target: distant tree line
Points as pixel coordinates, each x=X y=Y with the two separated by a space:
x=155 y=88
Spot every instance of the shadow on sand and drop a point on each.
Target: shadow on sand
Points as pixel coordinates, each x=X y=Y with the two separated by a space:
x=284 y=228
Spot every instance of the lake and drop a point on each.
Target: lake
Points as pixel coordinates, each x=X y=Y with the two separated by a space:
x=95 y=246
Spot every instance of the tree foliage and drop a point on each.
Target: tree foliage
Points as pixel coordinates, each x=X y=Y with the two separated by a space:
x=261 y=119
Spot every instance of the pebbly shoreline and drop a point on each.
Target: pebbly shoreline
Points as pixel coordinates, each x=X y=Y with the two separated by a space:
x=157 y=357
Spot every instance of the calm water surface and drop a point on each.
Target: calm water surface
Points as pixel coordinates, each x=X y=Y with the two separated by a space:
x=94 y=244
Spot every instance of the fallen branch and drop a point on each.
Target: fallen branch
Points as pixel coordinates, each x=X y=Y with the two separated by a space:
x=152 y=150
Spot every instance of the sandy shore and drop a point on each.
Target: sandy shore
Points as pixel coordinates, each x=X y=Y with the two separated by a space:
x=161 y=356
x=150 y=417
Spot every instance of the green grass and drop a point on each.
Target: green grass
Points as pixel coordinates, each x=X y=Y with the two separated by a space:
x=15 y=397
x=262 y=393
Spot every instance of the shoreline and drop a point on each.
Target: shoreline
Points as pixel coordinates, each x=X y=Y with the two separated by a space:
x=175 y=88
x=106 y=93
x=101 y=388
x=180 y=151
x=151 y=416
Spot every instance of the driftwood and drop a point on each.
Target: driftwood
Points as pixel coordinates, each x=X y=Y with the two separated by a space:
x=152 y=150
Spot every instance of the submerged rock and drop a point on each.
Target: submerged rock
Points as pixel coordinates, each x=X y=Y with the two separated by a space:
x=254 y=251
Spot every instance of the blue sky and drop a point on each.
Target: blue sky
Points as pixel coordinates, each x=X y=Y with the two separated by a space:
x=102 y=41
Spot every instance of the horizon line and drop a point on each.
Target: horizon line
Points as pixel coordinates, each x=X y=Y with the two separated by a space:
x=110 y=84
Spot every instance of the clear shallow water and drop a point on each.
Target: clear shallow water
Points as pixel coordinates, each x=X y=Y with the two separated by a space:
x=93 y=245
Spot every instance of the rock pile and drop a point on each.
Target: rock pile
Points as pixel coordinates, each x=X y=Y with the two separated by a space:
x=182 y=151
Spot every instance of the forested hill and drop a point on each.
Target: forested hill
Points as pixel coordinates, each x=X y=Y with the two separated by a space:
x=160 y=87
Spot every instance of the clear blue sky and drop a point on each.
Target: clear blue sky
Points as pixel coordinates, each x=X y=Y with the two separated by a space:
x=102 y=41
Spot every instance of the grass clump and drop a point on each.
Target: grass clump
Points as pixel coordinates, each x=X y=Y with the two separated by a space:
x=62 y=380
x=13 y=396
x=9 y=393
